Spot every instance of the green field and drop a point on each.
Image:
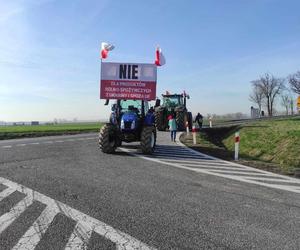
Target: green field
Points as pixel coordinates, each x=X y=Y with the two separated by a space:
x=20 y=131
x=274 y=143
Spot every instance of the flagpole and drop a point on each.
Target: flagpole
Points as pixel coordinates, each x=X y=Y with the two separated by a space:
x=101 y=60
x=100 y=73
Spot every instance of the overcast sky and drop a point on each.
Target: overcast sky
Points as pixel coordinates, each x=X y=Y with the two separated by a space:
x=49 y=51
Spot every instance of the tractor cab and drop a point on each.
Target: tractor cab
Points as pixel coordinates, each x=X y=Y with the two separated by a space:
x=172 y=101
x=133 y=106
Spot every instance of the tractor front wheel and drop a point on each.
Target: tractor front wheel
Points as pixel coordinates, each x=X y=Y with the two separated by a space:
x=107 y=139
x=148 y=140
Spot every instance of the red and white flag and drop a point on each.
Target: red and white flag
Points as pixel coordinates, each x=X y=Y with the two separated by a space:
x=105 y=47
x=160 y=59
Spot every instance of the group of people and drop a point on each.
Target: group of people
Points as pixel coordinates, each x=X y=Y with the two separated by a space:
x=173 y=126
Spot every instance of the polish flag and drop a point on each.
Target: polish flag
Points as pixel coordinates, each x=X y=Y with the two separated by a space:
x=160 y=59
x=105 y=47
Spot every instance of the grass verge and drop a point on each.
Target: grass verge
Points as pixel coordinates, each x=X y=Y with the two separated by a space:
x=13 y=132
x=272 y=145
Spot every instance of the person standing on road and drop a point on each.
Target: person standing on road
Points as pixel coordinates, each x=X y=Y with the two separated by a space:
x=172 y=128
x=199 y=120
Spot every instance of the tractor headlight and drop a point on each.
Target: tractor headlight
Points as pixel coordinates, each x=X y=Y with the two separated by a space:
x=133 y=124
x=122 y=124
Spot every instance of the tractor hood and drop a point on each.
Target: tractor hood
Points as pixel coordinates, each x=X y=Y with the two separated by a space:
x=129 y=121
x=129 y=117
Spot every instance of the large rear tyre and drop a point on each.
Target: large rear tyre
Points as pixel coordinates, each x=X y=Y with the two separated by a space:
x=148 y=140
x=159 y=121
x=180 y=121
x=107 y=139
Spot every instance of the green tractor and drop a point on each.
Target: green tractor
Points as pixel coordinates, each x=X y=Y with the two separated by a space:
x=175 y=105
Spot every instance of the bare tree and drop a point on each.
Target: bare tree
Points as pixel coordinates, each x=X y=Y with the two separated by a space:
x=271 y=87
x=294 y=81
x=285 y=102
x=256 y=96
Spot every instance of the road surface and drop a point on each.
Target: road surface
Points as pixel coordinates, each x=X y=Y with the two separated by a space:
x=63 y=193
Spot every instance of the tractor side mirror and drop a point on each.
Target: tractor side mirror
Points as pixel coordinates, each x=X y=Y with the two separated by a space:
x=157 y=103
x=114 y=107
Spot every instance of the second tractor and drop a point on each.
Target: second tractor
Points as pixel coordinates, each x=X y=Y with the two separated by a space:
x=175 y=105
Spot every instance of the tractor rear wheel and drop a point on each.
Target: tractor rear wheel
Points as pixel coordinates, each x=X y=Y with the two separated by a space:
x=107 y=139
x=180 y=120
x=159 y=121
x=190 y=119
x=148 y=139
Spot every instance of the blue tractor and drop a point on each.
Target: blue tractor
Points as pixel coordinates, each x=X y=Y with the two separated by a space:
x=130 y=120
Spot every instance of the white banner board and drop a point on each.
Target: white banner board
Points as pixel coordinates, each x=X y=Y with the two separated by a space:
x=128 y=81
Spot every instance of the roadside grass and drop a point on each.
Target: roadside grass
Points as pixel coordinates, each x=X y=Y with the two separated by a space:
x=12 y=132
x=269 y=144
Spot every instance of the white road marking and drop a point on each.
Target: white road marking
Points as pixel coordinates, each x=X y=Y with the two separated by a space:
x=50 y=142
x=174 y=156
x=34 y=143
x=80 y=139
x=35 y=233
x=7 y=218
x=162 y=152
x=84 y=227
x=215 y=167
x=210 y=164
x=272 y=180
x=6 y=192
x=80 y=237
x=202 y=163
x=229 y=171
x=174 y=150
x=198 y=161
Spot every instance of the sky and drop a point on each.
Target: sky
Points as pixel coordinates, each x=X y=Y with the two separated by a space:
x=49 y=51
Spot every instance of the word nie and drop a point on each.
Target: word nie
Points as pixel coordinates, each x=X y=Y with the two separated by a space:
x=128 y=71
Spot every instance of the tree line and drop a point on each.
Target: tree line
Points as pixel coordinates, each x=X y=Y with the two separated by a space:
x=268 y=88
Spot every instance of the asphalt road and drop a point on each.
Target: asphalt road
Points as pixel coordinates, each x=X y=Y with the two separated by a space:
x=63 y=193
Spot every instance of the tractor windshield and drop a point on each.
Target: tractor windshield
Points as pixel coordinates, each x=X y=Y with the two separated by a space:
x=131 y=106
x=172 y=101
